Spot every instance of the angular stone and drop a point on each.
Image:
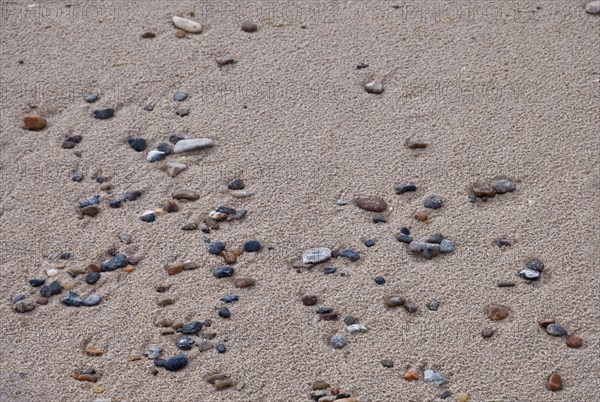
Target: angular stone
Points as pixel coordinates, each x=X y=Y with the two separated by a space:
x=483 y=190
x=223 y=272
x=433 y=377
x=544 y=322
x=185 y=194
x=373 y=203
x=192 y=145
x=316 y=255
x=356 y=328
x=387 y=363
x=24 y=306
x=427 y=250
x=205 y=345
x=174 y=168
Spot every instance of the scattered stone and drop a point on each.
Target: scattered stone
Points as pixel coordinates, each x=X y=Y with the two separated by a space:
x=574 y=341
x=185 y=343
x=433 y=202
x=536 y=265
x=174 y=168
x=216 y=248
x=92 y=300
x=593 y=7
x=231 y=256
x=167 y=331
x=329 y=316
x=230 y=298
x=72 y=299
x=149 y=107
x=180 y=96
x=329 y=270
x=483 y=190
x=403 y=238
x=433 y=305
x=462 y=397
x=182 y=112
x=545 y=322
x=225 y=61
x=309 y=300
x=93 y=351
x=205 y=345
x=373 y=203
x=224 y=312
x=240 y=214
x=24 y=306
x=171 y=206
x=446 y=246
x=173 y=363
x=34 y=122
x=444 y=394
x=37 y=282
x=223 y=272
x=433 y=377
x=316 y=255
x=243 y=282
x=153 y=352
x=134 y=260
x=387 y=363
x=529 y=274
x=411 y=308
x=236 y=184
x=554 y=382
x=252 y=246
x=394 y=301
x=249 y=27
x=90 y=210
x=180 y=33
x=166 y=301
x=103 y=114
x=411 y=376
x=350 y=254
x=421 y=216
x=350 y=320
x=488 y=332
x=52 y=272
x=379 y=280
x=148 y=35
x=241 y=193
x=341 y=203
x=137 y=144
x=91 y=97
x=175 y=138
x=369 y=243
x=427 y=250
x=164 y=147
x=116 y=262
x=374 y=87
x=405 y=187
x=221 y=348
x=506 y=284
x=415 y=144
x=67 y=145
x=496 y=312
x=338 y=341
x=185 y=194
x=356 y=328
x=503 y=186
x=192 y=145
x=174 y=269
x=77 y=176
x=132 y=195
x=190 y=226
x=82 y=376
x=379 y=219
x=191 y=328
x=92 y=278
x=319 y=385
x=187 y=25
x=556 y=330
x=361 y=65
x=435 y=238
x=115 y=203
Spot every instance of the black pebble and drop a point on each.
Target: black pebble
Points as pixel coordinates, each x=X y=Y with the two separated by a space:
x=502 y=243
x=137 y=144
x=224 y=312
x=379 y=220
x=216 y=247
x=350 y=320
x=435 y=238
x=536 y=266
x=380 y=280
x=173 y=363
x=115 y=203
x=132 y=195
x=229 y=298
x=404 y=187
x=36 y=282
x=148 y=218
x=360 y=66
x=67 y=145
x=191 y=328
x=55 y=288
x=65 y=255
x=405 y=230
x=226 y=210
x=74 y=138
x=472 y=198
x=236 y=184
x=221 y=348
x=175 y=138
x=185 y=343
x=324 y=310
x=329 y=270
x=164 y=147
x=223 y=272
x=103 y=114
x=404 y=238
x=342 y=396
x=118 y=261
x=252 y=246
x=92 y=278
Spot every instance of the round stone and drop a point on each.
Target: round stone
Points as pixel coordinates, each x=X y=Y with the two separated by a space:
x=433 y=305
x=435 y=238
x=411 y=376
x=554 y=382
x=37 y=282
x=370 y=243
x=350 y=320
x=223 y=272
x=92 y=278
x=180 y=96
x=103 y=114
x=329 y=270
x=446 y=246
x=574 y=341
x=249 y=27
x=236 y=184
x=221 y=348
x=252 y=246
x=556 y=330
x=224 y=312
x=593 y=7
x=182 y=112
x=309 y=300
x=185 y=343
x=421 y=216
x=374 y=87
x=216 y=248
x=24 y=306
x=503 y=186
x=496 y=312
x=91 y=97
x=379 y=280
x=338 y=341
x=433 y=202
x=373 y=203
x=34 y=122
x=52 y=272
x=316 y=255
x=92 y=300
x=341 y=203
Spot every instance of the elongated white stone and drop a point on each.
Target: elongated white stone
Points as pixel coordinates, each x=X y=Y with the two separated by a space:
x=192 y=144
x=316 y=255
x=187 y=25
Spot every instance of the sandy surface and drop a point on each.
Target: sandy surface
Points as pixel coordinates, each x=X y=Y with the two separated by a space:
x=504 y=89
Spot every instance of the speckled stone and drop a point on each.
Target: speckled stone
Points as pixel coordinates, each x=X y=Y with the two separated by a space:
x=338 y=341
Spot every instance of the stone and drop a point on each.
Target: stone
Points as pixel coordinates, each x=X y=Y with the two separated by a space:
x=574 y=341
x=91 y=97
x=153 y=352
x=226 y=210
x=231 y=256
x=338 y=341
x=319 y=385
x=180 y=33
x=374 y=87
x=350 y=254
x=309 y=300
x=446 y=246
x=187 y=25
x=405 y=187
x=350 y=320
x=67 y=145
x=77 y=176
x=356 y=328
x=163 y=322
x=483 y=190
x=216 y=248
x=329 y=270
x=37 y=282
x=174 y=168
x=341 y=203
x=324 y=310
x=34 y=122
x=190 y=226
x=74 y=138
x=243 y=282
x=175 y=138
x=182 y=112
x=180 y=96
x=155 y=156
x=103 y=114
x=433 y=305
x=185 y=194
x=76 y=270
x=403 y=238
x=329 y=316
x=174 y=269
x=530 y=274
x=444 y=394
x=252 y=246
x=52 y=272
x=416 y=144
x=223 y=272
x=223 y=384
x=225 y=61
x=433 y=202
x=488 y=332
x=536 y=265
x=435 y=238
x=236 y=184
x=462 y=397
x=241 y=193
x=224 y=312
x=173 y=363
x=497 y=312
x=427 y=250
x=503 y=186
x=167 y=331
x=165 y=301
x=54 y=287
x=93 y=351
x=505 y=284
x=379 y=280
x=373 y=203
x=116 y=262
x=240 y=214
x=205 y=345
x=421 y=216
x=230 y=298
x=137 y=144
x=85 y=377
x=72 y=299
x=192 y=145
x=316 y=255
x=148 y=35
x=90 y=210
x=115 y=203
x=554 y=382
x=92 y=300
x=185 y=343
x=134 y=260
x=404 y=230
x=387 y=363
x=411 y=376
x=221 y=348
x=593 y=7
x=132 y=195
x=379 y=219
x=191 y=328
x=217 y=216
x=24 y=306
x=92 y=278
x=149 y=107
x=502 y=243
x=164 y=147
x=249 y=27
x=411 y=308
x=171 y=206
x=394 y=301
x=369 y=243
x=556 y=330
x=433 y=377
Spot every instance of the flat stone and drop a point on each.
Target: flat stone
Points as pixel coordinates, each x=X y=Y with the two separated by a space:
x=405 y=187
x=372 y=203
x=185 y=194
x=187 y=25
x=90 y=210
x=530 y=274
x=503 y=186
x=192 y=145
x=241 y=193
x=544 y=322
x=72 y=299
x=173 y=363
x=165 y=301
x=433 y=202
x=174 y=269
x=148 y=35
x=190 y=226
x=319 y=385
x=223 y=272
x=394 y=301
x=574 y=341
x=404 y=238
x=416 y=144
x=116 y=262
x=356 y=328
x=536 y=265
x=387 y=363
x=182 y=112
x=92 y=300
x=427 y=250
x=374 y=87
x=67 y=145
x=174 y=168
x=155 y=155
x=554 y=382
x=231 y=256
x=153 y=352
x=556 y=330
x=137 y=144
x=191 y=328
x=433 y=305
x=243 y=282
x=411 y=308
x=593 y=7
x=93 y=351
x=506 y=284
x=249 y=27
x=103 y=114
x=435 y=238
x=496 y=312
x=350 y=254
x=316 y=255
x=180 y=96
x=500 y=243
x=433 y=377
x=34 y=122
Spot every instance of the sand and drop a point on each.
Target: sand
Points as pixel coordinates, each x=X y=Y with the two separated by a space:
x=500 y=89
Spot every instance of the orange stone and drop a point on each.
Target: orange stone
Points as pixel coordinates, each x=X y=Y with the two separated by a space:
x=68 y=285
x=84 y=377
x=34 y=122
x=574 y=341
x=421 y=216
x=129 y=268
x=497 y=313
x=546 y=321
x=411 y=376
x=92 y=351
x=231 y=256
x=555 y=382
x=175 y=269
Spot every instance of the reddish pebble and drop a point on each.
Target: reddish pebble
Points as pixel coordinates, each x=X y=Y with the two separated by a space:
x=33 y=122
x=421 y=216
x=175 y=269
x=42 y=301
x=546 y=321
x=497 y=313
x=411 y=376
x=93 y=268
x=574 y=341
x=249 y=27
x=555 y=382
x=309 y=300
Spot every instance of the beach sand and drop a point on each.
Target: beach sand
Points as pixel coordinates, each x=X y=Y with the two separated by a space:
x=503 y=89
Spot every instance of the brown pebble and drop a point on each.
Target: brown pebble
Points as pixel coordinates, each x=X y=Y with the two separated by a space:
x=97 y=389
x=92 y=351
x=174 y=269
x=243 y=282
x=84 y=377
x=211 y=223
x=506 y=284
x=90 y=210
x=335 y=390
x=212 y=379
x=411 y=376
x=177 y=325
x=223 y=384
x=488 y=333
x=414 y=144
x=33 y=122
x=163 y=322
x=373 y=203
x=319 y=385
x=544 y=322
x=93 y=267
x=555 y=382
x=483 y=190
x=249 y=27
x=421 y=216
x=497 y=313
x=148 y=35
x=167 y=331
x=231 y=256
x=129 y=269
x=42 y=301
x=166 y=301
x=329 y=316
x=180 y=34
x=574 y=341
x=309 y=300
x=67 y=285
x=171 y=206
x=133 y=358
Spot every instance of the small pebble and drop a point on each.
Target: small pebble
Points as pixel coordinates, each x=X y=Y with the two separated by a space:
x=148 y=35
x=435 y=238
x=182 y=112
x=103 y=114
x=149 y=217
x=37 y=282
x=180 y=96
x=403 y=238
x=387 y=363
x=191 y=328
x=187 y=145
x=411 y=376
x=329 y=270
x=72 y=299
x=410 y=308
x=225 y=61
x=224 y=312
x=216 y=248
x=373 y=203
x=223 y=272
x=506 y=284
x=173 y=363
x=316 y=255
x=236 y=184
x=90 y=210
x=34 y=122
x=446 y=246
x=92 y=278
x=574 y=341
x=252 y=246
x=462 y=397
x=427 y=250
x=394 y=301
x=536 y=265
x=67 y=145
x=230 y=298
x=529 y=274
x=52 y=272
x=249 y=27
x=556 y=330
x=544 y=322
x=404 y=230
x=155 y=156
x=137 y=144
x=496 y=312
x=221 y=348
x=554 y=382
x=405 y=187
x=309 y=300
x=356 y=328
x=185 y=343
x=338 y=341
x=187 y=25
x=487 y=332
x=240 y=214
x=243 y=282
x=379 y=219
x=115 y=203
x=433 y=202
x=433 y=377
x=91 y=97
x=205 y=345
x=379 y=280
x=77 y=176
x=93 y=351
x=165 y=301
x=503 y=186
x=175 y=138
x=350 y=254
x=444 y=394
x=153 y=352
x=24 y=306
x=433 y=305
x=92 y=300
x=320 y=385
x=374 y=87
x=350 y=320
x=369 y=243
x=421 y=216
x=593 y=7
x=42 y=300
x=149 y=107
x=416 y=144
x=341 y=203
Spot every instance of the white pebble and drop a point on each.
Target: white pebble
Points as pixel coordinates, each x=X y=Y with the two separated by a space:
x=192 y=144
x=155 y=155
x=356 y=328
x=593 y=7
x=374 y=87
x=241 y=193
x=187 y=25
x=52 y=272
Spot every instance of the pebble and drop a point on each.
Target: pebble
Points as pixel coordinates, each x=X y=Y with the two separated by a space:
x=505 y=284
x=94 y=200
x=241 y=193
x=405 y=187
x=180 y=96
x=421 y=216
x=173 y=363
x=205 y=345
x=175 y=138
x=149 y=107
x=416 y=144
x=155 y=155
x=433 y=202
x=369 y=243
x=191 y=328
x=529 y=274
x=225 y=61
x=224 y=312
x=148 y=35
x=252 y=246
x=374 y=87
x=190 y=226
x=93 y=351
x=373 y=203
x=394 y=301
x=433 y=305
x=230 y=298
x=379 y=219
x=34 y=122
x=487 y=332
x=546 y=321
x=103 y=114
x=433 y=377
x=182 y=112
x=223 y=272
x=556 y=330
x=42 y=300
x=361 y=65
x=356 y=328
x=163 y=322
x=379 y=280
x=320 y=385
x=496 y=312
x=132 y=195
x=350 y=254
x=174 y=269
x=67 y=145
x=91 y=97
x=350 y=320
x=329 y=270
x=483 y=190
x=187 y=25
x=92 y=278
x=435 y=238
x=216 y=248
x=72 y=299
x=24 y=306
x=316 y=255
x=231 y=256
x=217 y=216
x=243 y=282
x=240 y=214
x=37 y=282
x=444 y=394
x=116 y=262
x=404 y=230
x=185 y=343
x=185 y=194
x=179 y=33
x=236 y=184
x=77 y=176
x=309 y=300
x=338 y=341
x=166 y=301
x=137 y=144
x=164 y=147
x=153 y=352
x=134 y=260
x=174 y=168
x=387 y=363
x=52 y=272
x=85 y=377
x=341 y=203
x=536 y=265
x=411 y=376
x=411 y=308
x=90 y=210
x=221 y=348
x=18 y=297
x=503 y=186
x=171 y=206
x=446 y=246
x=115 y=203
x=403 y=238
x=593 y=7
x=192 y=145
x=554 y=382
x=92 y=300
x=249 y=27
x=427 y=250
x=574 y=341
x=462 y=397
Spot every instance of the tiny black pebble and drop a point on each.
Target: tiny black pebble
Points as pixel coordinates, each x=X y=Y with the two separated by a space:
x=329 y=270
x=405 y=230
x=115 y=204
x=379 y=220
x=92 y=278
x=324 y=310
x=360 y=66
x=380 y=280
x=370 y=243
x=74 y=138
x=502 y=243
x=65 y=255
x=137 y=144
x=36 y=282
x=224 y=312
x=103 y=114
x=221 y=348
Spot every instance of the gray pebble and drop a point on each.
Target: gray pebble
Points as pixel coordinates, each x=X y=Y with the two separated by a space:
x=350 y=320
x=77 y=176
x=529 y=274
x=593 y=7
x=503 y=186
x=153 y=352
x=338 y=341
x=180 y=96
x=433 y=305
x=435 y=238
x=182 y=112
x=341 y=203
x=556 y=330
x=427 y=250
x=387 y=363
x=411 y=308
x=316 y=255
x=91 y=97
x=433 y=202
x=446 y=246
x=92 y=300
x=433 y=377
x=185 y=343
x=374 y=87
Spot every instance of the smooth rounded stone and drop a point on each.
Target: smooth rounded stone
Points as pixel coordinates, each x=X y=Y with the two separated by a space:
x=90 y=210
x=433 y=305
x=24 y=306
x=415 y=144
x=137 y=144
x=179 y=33
x=487 y=332
x=497 y=312
x=403 y=238
x=67 y=145
x=72 y=299
x=221 y=348
x=149 y=107
x=224 y=312
x=394 y=301
x=433 y=377
x=74 y=138
x=252 y=246
x=191 y=328
x=356 y=328
x=361 y=65
x=155 y=156
x=182 y=112
x=185 y=343
x=241 y=193
x=116 y=262
x=216 y=248
x=240 y=214
x=34 y=122
x=593 y=7
x=192 y=145
x=249 y=27
x=350 y=320
x=374 y=87
x=236 y=184
x=55 y=288
x=91 y=97
x=320 y=385
x=338 y=341
x=483 y=190
x=411 y=376
x=92 y=278
x=404 y=230
x=165 y=301
x=174 y=168
x=175 y=138
x=180 y=96
x=231 y=256
x=433 y=202
x=187 y=25
x=554 y=382
x=316 y=255
x=446 y=246
x=52 y=272
x=536 y=265
x=530 y=274
x=77 y=176
x=42 y=300
x=92 y=300
x=505 y=284
x=226 y=210
x=379 y=280
x=405 y=188
x=115 y=203
x=427 y=250
x=217 y=216
x=411 y=308
x=205 y=345
x=556 y=330
x=228 y=59
x=500 y=243
x=574 y=342
x=462 y=397
x=309 y=300
x=243 y=282
x=185 y=194
x=421 y=216
x=93 y=351
x=174 y=269
x=103 y=114
x=324 y=310
x=173 y=363
x=329 y=270
x=134 y=260
x=350 y=254
x=37 y=282
x=223 y=272
x=503 y=186
x=341 y=203
x=387 y=363
x=230 y=298
x=148 y=35
x=372 y=203
x=435 y=238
